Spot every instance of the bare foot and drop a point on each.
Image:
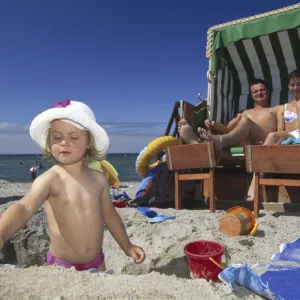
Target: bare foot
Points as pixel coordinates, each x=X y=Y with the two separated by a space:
x=249 y=198
x=187 y=133
x=216 y=139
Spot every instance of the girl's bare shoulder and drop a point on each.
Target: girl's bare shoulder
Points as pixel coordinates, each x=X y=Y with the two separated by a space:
x=98 y=175
x=50 y=174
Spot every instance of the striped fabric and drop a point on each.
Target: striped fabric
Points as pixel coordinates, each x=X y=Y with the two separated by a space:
x=270 y=57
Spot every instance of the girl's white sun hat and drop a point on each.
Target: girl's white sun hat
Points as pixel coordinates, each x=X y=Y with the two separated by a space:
x=75 y=113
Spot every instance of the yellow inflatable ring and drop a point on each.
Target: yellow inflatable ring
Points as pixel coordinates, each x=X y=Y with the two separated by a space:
x=108 y=169
x=142 y=165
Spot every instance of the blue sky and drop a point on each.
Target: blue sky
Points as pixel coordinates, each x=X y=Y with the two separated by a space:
x=128 y=60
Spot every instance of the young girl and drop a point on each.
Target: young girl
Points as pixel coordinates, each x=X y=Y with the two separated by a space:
x=77 y=199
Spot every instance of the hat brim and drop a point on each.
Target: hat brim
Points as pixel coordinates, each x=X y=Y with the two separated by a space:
x=40 y=126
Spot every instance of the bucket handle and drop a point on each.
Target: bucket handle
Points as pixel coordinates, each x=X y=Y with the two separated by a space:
x=216 y=263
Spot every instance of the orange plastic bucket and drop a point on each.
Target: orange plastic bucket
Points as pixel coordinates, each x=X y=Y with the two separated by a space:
x=238 y=221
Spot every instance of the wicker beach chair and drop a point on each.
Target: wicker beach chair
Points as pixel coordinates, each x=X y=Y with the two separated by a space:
x=265 y=46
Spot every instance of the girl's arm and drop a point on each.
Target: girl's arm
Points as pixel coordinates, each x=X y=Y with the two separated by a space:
x=112 y=219
x=280 y=118
x=20 y=212
x=116 y=227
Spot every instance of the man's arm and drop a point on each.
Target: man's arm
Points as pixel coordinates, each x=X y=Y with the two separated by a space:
x=221 y=128
x=20 y=212
x=232 y=124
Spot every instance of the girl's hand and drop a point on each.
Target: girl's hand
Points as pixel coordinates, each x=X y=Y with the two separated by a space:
x=137 y=253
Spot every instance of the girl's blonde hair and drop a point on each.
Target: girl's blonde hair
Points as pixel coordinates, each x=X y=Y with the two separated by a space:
x=90 y=154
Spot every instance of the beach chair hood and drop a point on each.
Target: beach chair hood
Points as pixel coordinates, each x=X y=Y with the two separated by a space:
x=265 y=46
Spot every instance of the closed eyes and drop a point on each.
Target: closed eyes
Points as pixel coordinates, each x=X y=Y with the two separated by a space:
x=59 y=138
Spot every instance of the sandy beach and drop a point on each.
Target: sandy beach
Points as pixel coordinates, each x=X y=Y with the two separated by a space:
x=164 y=274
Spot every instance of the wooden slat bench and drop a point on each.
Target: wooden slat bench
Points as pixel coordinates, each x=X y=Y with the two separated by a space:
x=281 y=159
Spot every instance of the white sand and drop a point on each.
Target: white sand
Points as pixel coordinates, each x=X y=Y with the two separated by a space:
x=164 y=274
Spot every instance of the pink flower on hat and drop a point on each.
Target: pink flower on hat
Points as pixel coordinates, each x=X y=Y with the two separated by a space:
x=64 y=103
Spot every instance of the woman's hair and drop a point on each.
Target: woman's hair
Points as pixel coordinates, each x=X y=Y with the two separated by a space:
x=90 y=154
x=294 y=74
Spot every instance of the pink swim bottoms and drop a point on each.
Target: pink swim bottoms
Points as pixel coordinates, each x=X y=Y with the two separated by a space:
x=95 y=264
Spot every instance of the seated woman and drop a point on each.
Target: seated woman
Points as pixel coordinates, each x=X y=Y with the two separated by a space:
x=287 y=115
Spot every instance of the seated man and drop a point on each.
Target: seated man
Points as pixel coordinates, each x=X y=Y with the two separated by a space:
x=265 y=120
x=260 y=96
x=252 y=125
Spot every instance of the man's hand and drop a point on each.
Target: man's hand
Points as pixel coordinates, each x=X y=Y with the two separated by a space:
x=209 y=123
x=137 y=253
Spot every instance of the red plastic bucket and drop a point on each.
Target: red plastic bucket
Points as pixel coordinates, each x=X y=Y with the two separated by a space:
x=198 y=254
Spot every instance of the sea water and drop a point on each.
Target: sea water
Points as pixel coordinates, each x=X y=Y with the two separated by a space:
x=16 y=167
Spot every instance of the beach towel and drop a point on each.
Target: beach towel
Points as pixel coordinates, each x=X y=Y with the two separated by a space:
x=161 y=193
x=291 y=141
x=278 y=279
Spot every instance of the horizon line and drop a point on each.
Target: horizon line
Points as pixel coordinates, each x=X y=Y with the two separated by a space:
x=42 y=154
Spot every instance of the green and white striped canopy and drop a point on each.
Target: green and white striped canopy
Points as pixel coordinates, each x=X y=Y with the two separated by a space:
x=265 y=46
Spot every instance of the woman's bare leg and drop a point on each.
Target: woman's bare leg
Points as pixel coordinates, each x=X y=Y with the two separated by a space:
x=276 y=138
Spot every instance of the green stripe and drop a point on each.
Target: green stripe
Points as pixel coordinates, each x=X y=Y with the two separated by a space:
x=236 y=82
x=240 y=47
x=222 y=95
x=283 y=71
x=295 y=42
x=258 y=27
x=264 y=64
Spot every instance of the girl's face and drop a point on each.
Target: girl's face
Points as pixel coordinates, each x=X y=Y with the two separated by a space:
x=67 y=143
x=294 y=86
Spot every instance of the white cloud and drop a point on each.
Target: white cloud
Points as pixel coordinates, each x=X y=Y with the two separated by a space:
x=6 y=127
x=124 y=137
